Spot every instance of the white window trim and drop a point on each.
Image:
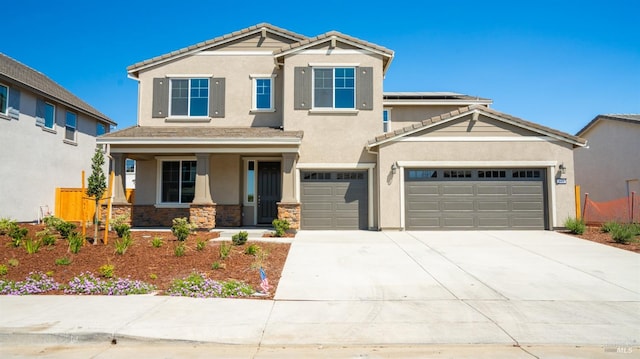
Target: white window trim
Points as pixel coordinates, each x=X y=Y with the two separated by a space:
x=254 y=95
x=187 y=117
x=388 y=121
x=333 y=109
x=246 y=181
x=75 y=128
x=53 y=124
x=159 y=160
x=5 y=113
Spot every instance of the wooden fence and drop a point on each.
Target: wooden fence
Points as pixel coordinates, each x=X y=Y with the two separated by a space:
x=70 y=203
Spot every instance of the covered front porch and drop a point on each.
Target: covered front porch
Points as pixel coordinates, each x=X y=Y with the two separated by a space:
x=216 y=177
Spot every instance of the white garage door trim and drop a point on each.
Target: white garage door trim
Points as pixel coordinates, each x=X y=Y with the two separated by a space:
x=342 y=166
x=549 y=165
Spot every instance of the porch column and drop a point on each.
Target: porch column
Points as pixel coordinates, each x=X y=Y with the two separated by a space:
x=203 y=190
x=289 y=161
x=119 y=178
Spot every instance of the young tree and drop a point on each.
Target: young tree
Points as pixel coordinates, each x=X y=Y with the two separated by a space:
x=96 y=187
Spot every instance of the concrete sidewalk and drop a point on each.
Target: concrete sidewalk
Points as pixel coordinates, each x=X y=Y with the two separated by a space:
x=354 y=289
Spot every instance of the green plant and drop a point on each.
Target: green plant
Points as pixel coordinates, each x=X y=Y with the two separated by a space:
x=240 y=238
x=179 y=249
x=14 y=262
x=201 y=245
x=6 y=224
x=217 y=265
x=281 y=226
x=609 y=226
x=52 y=221
x=156 y=242
x=96 y=187
x=122 y=229
x=225 y=250
x=622 y=234
x=252 y=250
x=107 y=270
x=65 y=228
x=576 y=226
x=181 y=228
x=46 y=237
x=122 y=244
x=3 y=270
x=18 y=234
x=64 y=261
x=76 y=240
x=32 y=245
x=153 y=276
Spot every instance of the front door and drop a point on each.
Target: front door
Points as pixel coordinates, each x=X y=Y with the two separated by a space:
x=269 y=191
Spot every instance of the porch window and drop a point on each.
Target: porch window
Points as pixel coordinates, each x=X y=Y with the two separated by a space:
x=334 y=87
x=251 y=181
x=178 y=181
x=189 y=97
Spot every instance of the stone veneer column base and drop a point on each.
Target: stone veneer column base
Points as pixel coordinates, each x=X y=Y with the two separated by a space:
x=228 y=215
x=120 y=210
x=203 y=216
x=290 y=212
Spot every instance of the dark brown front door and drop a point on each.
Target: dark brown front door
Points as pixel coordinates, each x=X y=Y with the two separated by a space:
x=269 y=191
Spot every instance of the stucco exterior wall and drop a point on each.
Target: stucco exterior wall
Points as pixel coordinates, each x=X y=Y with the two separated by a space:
x=477 y=154
x=610 y=160
x=407 y=115
x=35 y=160
x=333 y=137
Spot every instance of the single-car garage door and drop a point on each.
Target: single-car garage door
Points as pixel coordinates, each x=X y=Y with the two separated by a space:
x=459 y=199
x=333 y=200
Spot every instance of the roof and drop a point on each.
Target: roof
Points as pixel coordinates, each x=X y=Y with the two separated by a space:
x=214 y=42
x=464 y=111
x=631 y=118
x=38 y=82
x=418 y=98
x=184 y=134
x=331 y=35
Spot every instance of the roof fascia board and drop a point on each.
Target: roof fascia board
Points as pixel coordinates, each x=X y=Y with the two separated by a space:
x=435 y=102
x=187 y=141
x=190 y=150
x=328 y=39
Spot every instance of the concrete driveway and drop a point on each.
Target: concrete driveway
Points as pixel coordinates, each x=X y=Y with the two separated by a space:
x=517 y=287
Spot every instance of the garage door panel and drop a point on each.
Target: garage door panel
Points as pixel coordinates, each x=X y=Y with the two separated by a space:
x=317 y=206
x=317 y=190
x=482 y=202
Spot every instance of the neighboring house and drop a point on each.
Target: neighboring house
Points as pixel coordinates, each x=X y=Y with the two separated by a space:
x=264 y=123
x=609 y=168
x=47 y=137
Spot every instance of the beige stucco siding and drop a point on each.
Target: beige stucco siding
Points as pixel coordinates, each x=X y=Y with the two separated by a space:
x=334 y=137
x=473 y=154
x=611 y=158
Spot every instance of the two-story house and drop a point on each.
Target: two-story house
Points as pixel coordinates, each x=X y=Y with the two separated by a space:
x=47 y=138
x=265 y=123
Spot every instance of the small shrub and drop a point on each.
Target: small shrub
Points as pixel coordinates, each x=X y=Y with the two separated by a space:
x=181 y=228
x=622 y=234
x=122 y=229
x=64 y=261
x=225 y=250
x=609 y=226
x=217 y=265
x=18 y=234
x=3 y=270
x=576 y=226
x=107 y=270
x=122 y=244
x=36 y=283
x=32 y=246
x=76 y=240
x=240 y=238
x=179 y=249
x=156 y=242
x=65 y=229
x=281 y=226
x=52 y=222
x=46 y=237
x=196 y=285
x=14 y=262
x=6 y=225
x=87 y=283
x=635 y=228
x=201 y=245
x=252 y=250
x=234 y=288
x=153 y=276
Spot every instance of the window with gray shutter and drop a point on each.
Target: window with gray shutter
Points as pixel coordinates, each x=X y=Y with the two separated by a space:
x=302 y=88
x=160 y=105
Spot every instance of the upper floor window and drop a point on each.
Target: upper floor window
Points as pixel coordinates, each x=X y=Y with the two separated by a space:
x=49 y=115
x=334 y=87
x=70 y=126
x=101 y=129
x=386 y=120
x=262 y=92
x=4 y=93
x=189 y=97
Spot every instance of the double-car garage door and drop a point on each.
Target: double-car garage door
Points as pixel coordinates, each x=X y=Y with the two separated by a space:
x=459 y=199
x=333 y=200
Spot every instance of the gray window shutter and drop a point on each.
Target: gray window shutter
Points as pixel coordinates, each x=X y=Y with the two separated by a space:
x=302 y=88
x=216 y=97
x=39 y=112
x=14 y=103
x=160 y=106
x=364 y=88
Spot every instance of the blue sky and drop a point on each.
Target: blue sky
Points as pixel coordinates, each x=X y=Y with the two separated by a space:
x=557 y=63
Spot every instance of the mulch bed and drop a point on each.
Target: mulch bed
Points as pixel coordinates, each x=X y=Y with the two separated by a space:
x=594 y=234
